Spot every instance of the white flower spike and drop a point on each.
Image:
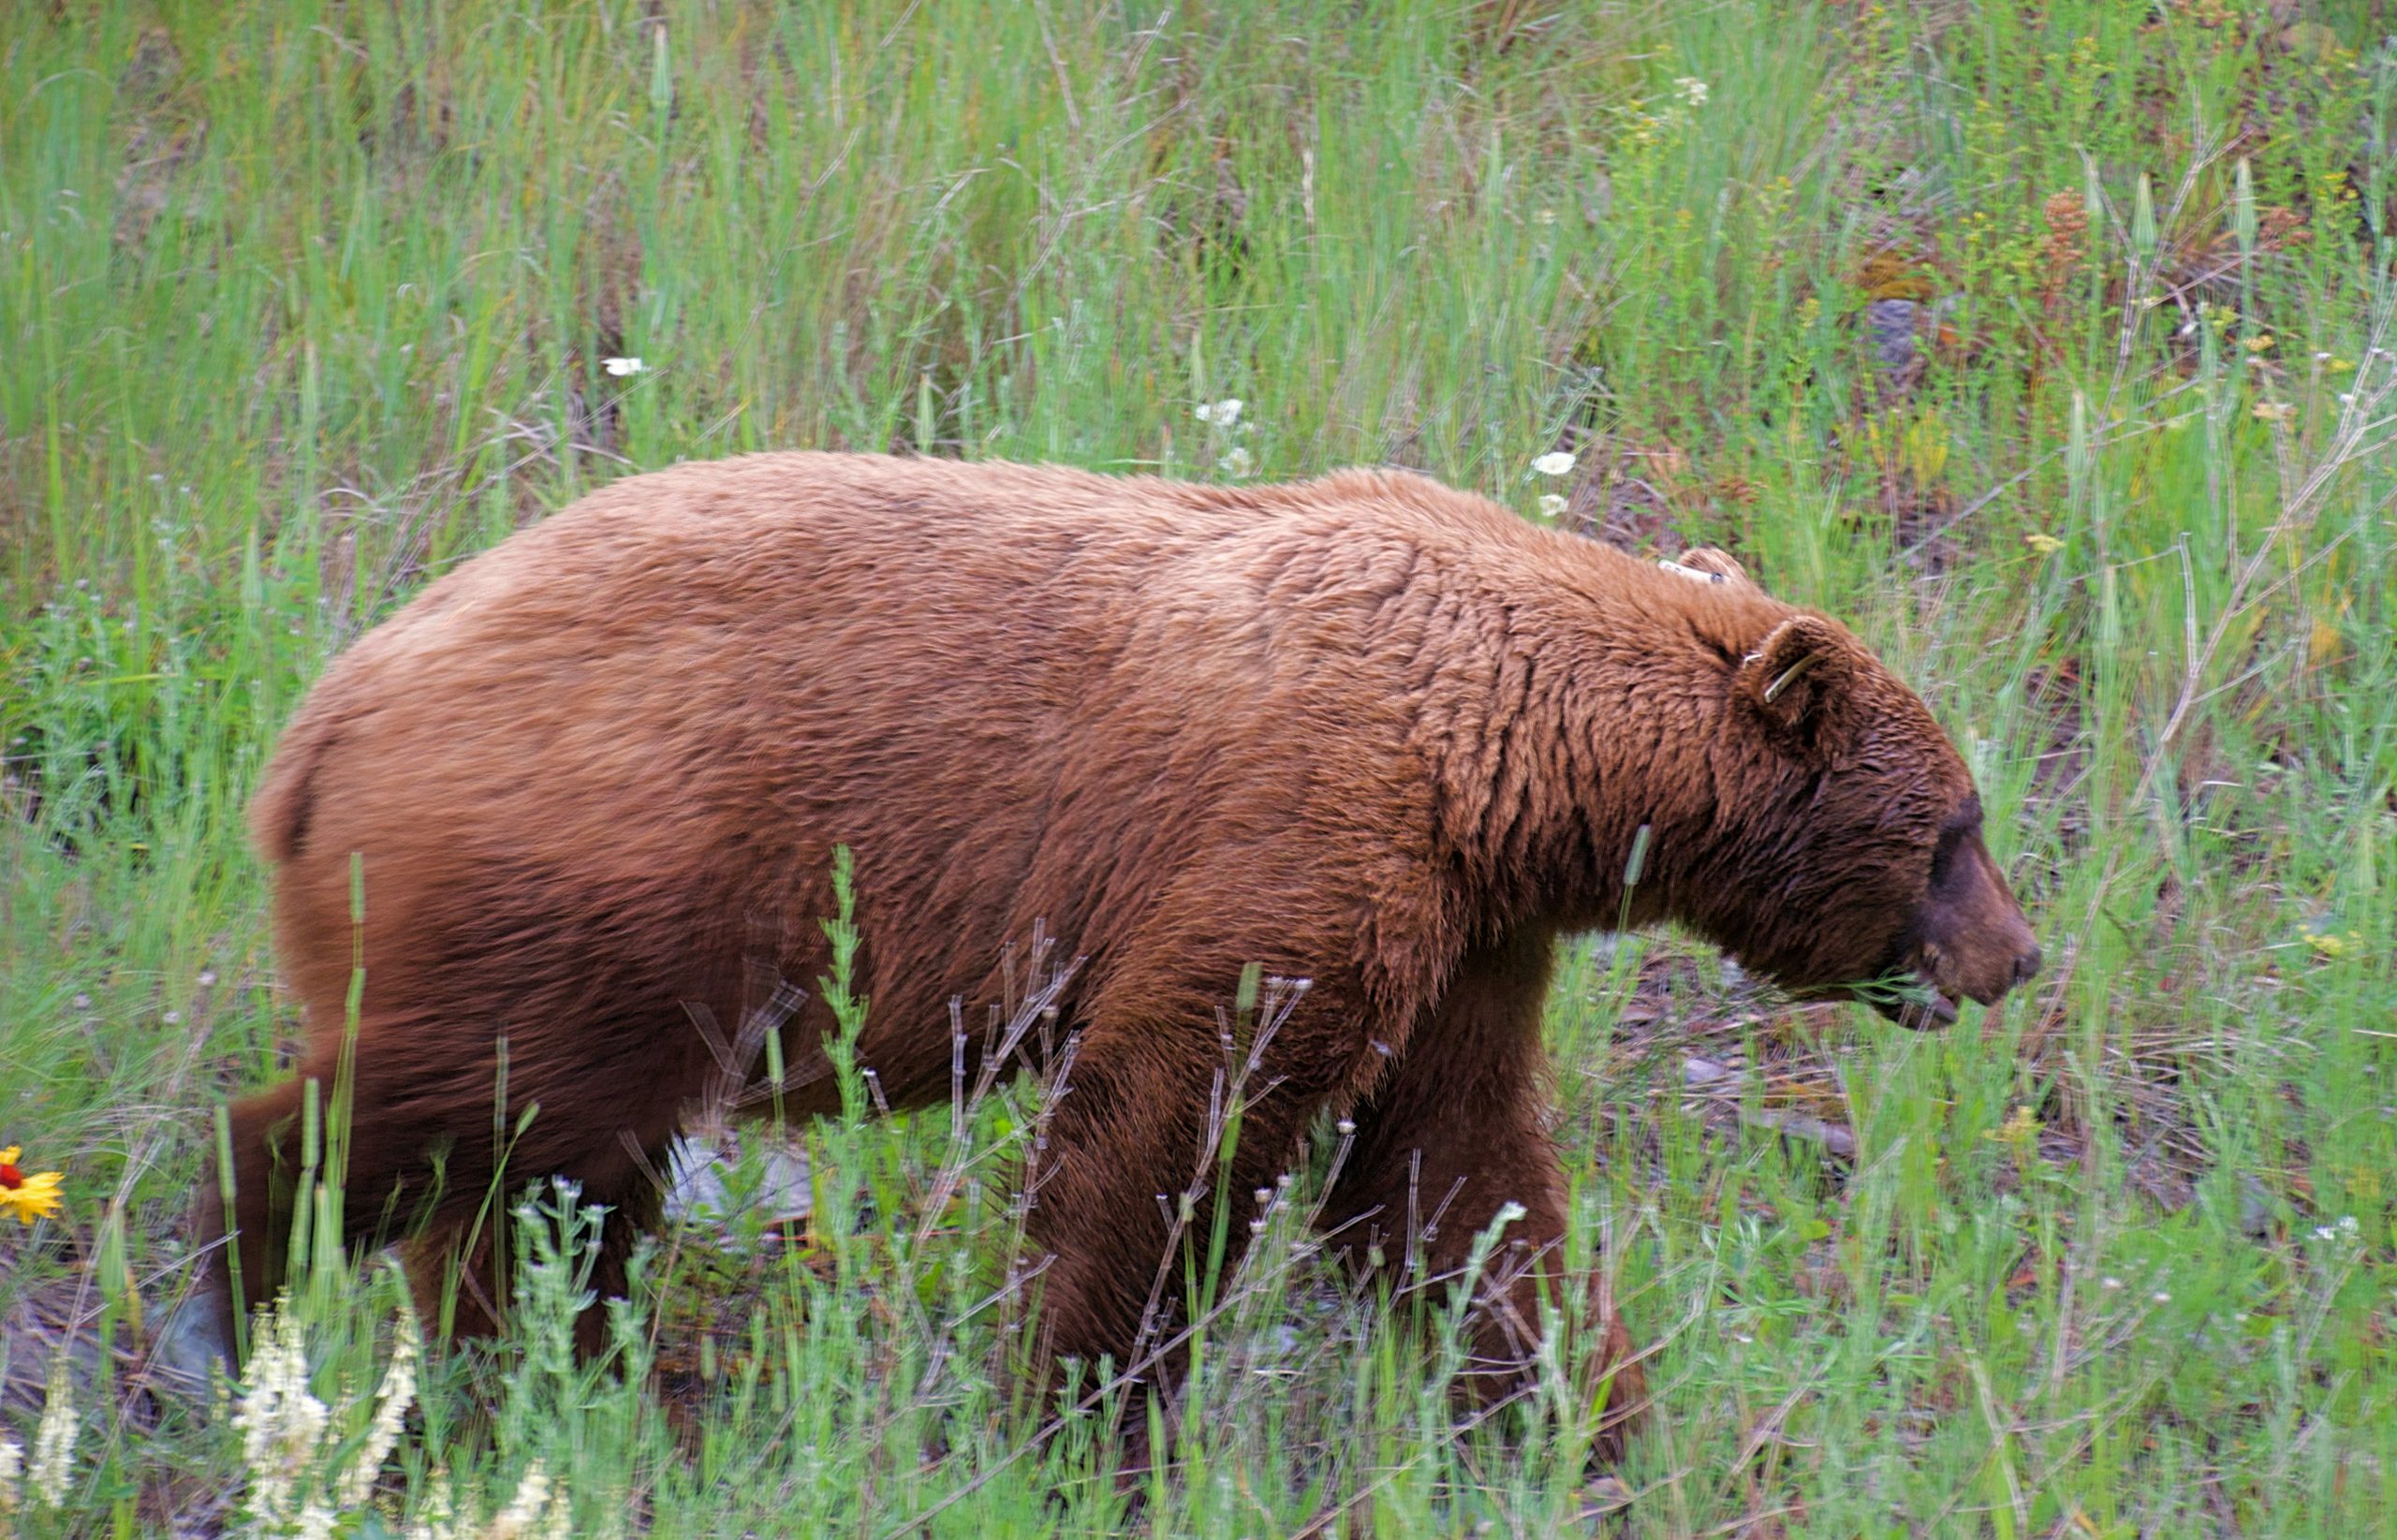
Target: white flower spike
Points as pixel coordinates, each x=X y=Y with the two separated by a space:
x=54 y=1461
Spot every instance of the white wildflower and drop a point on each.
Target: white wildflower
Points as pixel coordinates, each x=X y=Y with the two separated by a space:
x=1551 y=504
x=316 y=1521
x=390 y=1406
x=1556 y=462
x=281 y=1421
x=54 y=1440
x=1691 y=90
x=1220 y=414
x=12 y=1466
x=2162 y=1299
x=2111 y=1284
x=437 y=1519
x=622 y=367
x=532 y=1503
x=1238 y=461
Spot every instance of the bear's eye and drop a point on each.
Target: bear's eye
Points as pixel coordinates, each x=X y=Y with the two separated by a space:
x=1943 y=857
x=1962 y=825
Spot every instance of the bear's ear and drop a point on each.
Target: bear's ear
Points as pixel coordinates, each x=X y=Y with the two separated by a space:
x=1798 y=682
x=1719 y=565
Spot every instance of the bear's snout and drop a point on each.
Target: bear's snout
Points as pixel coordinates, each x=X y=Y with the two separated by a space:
x=2026 y=963
x=1975 y=943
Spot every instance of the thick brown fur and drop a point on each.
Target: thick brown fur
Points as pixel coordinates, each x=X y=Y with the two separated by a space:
x=1363 y=730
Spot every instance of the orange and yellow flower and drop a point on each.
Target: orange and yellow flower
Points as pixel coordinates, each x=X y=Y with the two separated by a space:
x=28 y=1194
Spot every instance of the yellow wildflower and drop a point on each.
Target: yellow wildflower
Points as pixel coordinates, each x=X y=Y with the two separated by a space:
x=2042 y=542
x=2020 y=1129
x=29 y=1195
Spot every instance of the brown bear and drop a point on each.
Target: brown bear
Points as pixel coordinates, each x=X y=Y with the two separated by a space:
x=1363 y=730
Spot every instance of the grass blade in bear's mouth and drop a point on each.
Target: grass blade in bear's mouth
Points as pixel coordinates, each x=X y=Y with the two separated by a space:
x=1913 y=1003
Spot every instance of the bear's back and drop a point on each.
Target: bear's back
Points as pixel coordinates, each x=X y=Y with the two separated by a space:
x=820 y=628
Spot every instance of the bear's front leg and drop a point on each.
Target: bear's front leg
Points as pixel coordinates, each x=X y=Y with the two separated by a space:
x=1123 y=1194
x=1453 y=1135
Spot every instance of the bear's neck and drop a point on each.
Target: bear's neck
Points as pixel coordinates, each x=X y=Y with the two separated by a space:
x=1577 y=753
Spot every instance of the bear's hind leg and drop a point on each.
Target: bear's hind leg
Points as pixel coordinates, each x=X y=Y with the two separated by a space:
x=605 y=1134
x=385 y=1196
x=249 y=1245
x=461 y=1272
x=435 y=1145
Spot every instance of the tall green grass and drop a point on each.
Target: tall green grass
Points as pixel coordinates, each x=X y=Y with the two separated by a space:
x=301 y=303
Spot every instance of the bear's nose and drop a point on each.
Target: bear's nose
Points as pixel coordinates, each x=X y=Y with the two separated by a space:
x=2026 y=964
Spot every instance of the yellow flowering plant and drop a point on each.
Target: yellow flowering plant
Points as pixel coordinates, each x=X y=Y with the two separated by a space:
x=28 y=1194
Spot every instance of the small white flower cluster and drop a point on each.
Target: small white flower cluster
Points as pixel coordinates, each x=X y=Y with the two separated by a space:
x=2346 y=1229
x=391 y=1402
x=2112 y=1284
x=54 y=1463
x=623 y=368
x=1648 y=127
x=283 y=1429
x=1224 y=417
x=436 y=1519
x=539 y=1509
x=1555 y=464
x=281 y=1421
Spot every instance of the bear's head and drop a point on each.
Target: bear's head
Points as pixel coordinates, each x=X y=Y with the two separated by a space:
x=1854 y=864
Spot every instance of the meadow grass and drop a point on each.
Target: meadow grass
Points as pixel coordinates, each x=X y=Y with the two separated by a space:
x=2048 y=344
